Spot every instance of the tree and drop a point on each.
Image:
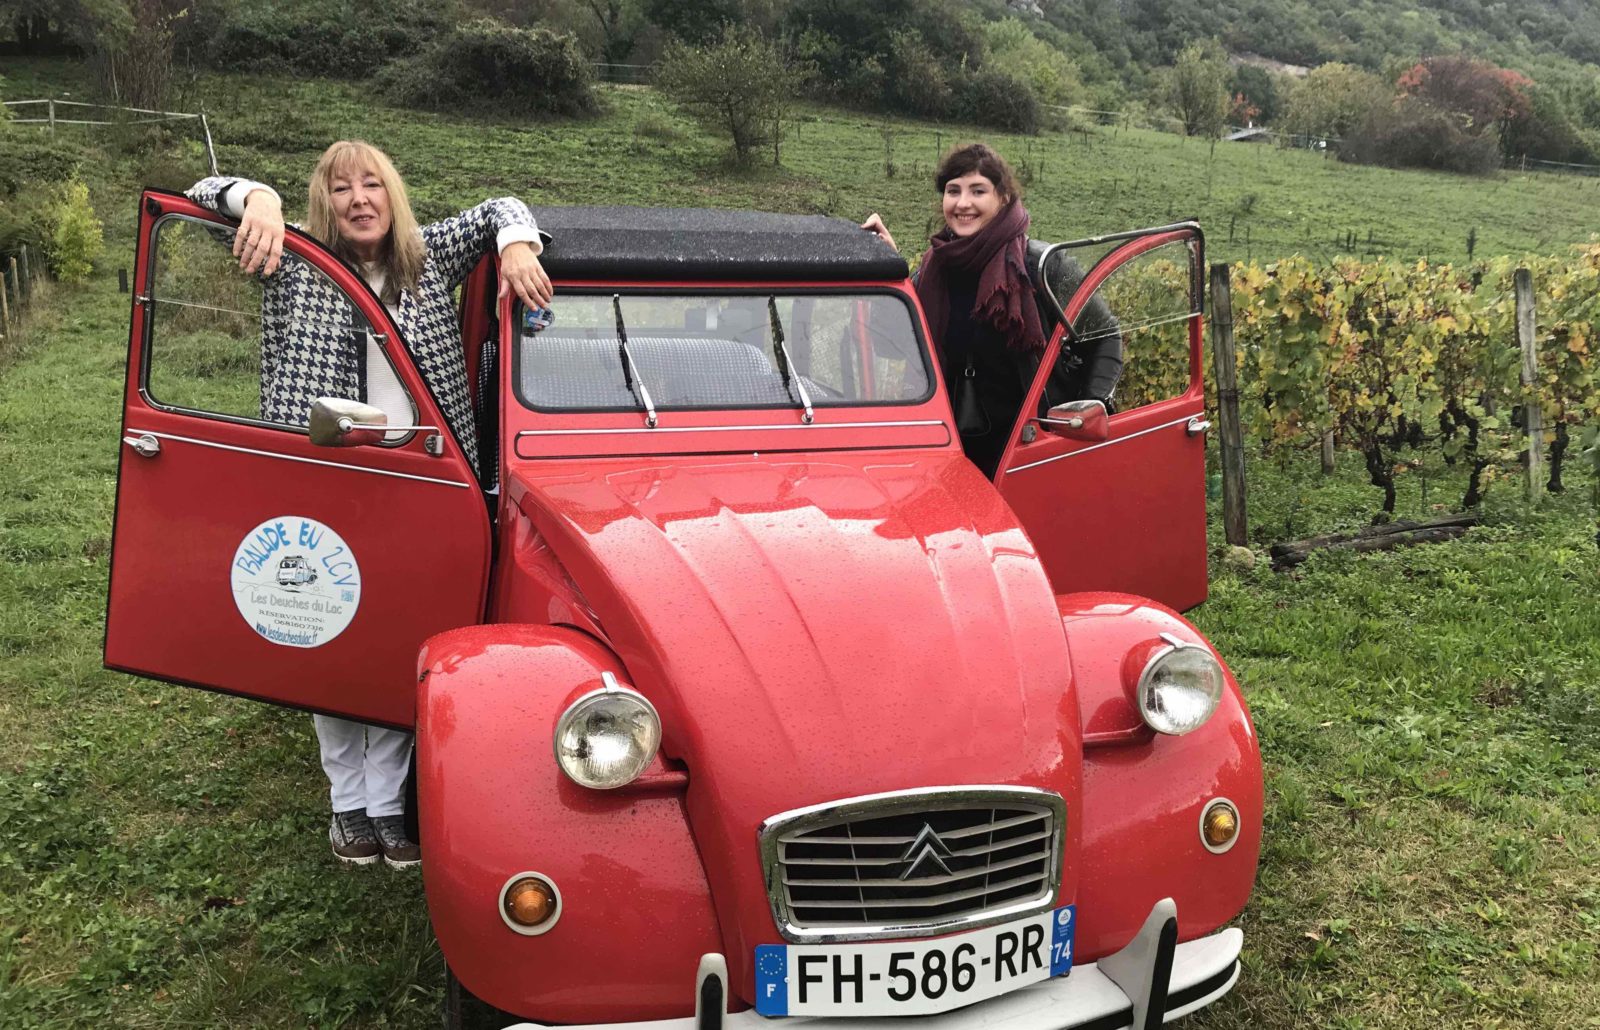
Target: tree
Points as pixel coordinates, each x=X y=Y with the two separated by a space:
x=1048 y=72
x=1256 y=85
x=741 y=86
x=1198 y=86
x=616 y=34
x=694 y=21
x=1334 y=101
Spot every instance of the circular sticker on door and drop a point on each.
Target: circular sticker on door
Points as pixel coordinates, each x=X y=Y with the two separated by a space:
x=296 y=581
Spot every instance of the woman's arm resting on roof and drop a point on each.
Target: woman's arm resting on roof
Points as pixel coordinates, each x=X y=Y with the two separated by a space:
x=875 y=226
x=521 y=273
x=456 y=243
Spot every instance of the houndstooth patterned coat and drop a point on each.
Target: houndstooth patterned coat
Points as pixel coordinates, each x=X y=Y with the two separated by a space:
x=313 y=341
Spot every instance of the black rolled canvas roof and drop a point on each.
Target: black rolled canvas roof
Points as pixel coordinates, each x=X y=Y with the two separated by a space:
x=654 y=243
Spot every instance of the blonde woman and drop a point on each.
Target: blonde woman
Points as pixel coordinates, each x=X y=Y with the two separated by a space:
x=357 y=208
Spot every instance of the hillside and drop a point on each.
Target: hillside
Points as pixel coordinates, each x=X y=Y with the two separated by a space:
x=1255 y=201
x=1530 y=34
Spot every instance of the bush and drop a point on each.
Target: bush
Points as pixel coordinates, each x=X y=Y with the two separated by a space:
x=76 y=236
x=1048 y=72
x=997 y=100
x=28 y=156
x=25 y=219
x=488 y=67
x=336 y=40
x=740 y=87
x=1415 y=134
x=916 y=81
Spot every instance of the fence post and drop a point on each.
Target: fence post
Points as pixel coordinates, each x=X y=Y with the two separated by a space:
x=5 y=308
x=1327 y=453
x=211 y=152
x=52 y=107
x=1533 y=413
x=1222 y=365
x=27 y=273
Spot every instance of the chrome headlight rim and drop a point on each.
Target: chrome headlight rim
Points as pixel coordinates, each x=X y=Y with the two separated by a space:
x=610 y=689
x=1146 y=687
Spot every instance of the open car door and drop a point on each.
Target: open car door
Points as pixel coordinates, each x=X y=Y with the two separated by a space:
x=244 y=558
x=1120 y=504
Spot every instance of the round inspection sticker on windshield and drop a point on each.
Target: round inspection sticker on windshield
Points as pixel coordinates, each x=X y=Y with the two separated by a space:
x=296 y=581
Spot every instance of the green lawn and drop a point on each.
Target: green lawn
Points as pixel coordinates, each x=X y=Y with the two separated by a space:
x=1428 y=717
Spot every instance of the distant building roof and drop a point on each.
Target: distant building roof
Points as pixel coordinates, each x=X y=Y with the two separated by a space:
x=690 y=243
x=1251 y=135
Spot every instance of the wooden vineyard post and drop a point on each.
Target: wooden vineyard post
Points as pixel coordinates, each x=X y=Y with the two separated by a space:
x=5 y=308
x=1533 y=413
x=27 y=273
x=1222 y=364
x=1327 y=453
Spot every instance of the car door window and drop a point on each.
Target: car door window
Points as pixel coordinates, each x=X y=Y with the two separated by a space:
x=209 y=320
x=1148 y=302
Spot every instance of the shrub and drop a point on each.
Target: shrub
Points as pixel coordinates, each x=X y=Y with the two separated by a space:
x=1048 y=72
x=915 y=80
x=740 y=87
x=339 y=40
x=27 y=156
x=1416 y=134
x=25 y=219
x=489 y=67
x=76 y=236
x=997 y=100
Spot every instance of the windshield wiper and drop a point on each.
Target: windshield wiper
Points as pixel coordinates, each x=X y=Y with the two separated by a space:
x=630 y=372
x=781 y=352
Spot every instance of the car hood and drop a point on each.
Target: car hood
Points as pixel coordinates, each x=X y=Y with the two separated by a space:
x=815 y=628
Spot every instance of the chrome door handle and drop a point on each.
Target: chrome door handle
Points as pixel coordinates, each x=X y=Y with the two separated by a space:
x=1198 y=425
x=145 y=445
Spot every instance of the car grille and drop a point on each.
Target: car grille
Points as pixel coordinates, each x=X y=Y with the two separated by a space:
x=913 y=863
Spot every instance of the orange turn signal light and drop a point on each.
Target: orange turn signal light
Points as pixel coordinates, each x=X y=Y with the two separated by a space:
x=1220 y=825
x=530 y=902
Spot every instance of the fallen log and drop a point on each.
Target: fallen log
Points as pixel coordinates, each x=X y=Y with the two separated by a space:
x=1403 y=533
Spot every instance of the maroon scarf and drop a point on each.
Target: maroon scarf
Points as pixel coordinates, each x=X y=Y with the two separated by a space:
x=1005 y=293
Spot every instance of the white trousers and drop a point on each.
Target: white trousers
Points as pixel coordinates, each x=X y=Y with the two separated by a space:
x=366 y=765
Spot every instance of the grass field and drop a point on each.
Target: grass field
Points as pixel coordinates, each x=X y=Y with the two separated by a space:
x=1428 y=717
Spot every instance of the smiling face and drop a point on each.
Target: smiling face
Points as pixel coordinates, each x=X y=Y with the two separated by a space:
x=970 y=203
x=361 y=211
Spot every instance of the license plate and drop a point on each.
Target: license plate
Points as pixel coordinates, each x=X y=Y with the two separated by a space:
x=893 y=978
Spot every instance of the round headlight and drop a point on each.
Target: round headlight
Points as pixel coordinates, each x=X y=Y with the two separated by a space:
x=606 y=738
x=1180 y=687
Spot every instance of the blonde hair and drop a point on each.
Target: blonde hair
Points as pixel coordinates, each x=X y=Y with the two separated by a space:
x=402 y=255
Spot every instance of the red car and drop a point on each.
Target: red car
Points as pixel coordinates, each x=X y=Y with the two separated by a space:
x=739 y=692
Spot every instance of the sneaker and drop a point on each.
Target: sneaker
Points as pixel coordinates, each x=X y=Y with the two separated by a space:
x=399 y=851
x=353 y=839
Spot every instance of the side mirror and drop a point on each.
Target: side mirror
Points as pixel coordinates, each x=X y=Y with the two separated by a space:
x=336 y=422
x=1079 y=420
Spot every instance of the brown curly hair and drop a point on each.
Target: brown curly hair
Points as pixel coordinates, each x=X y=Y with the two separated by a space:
x=981 y=158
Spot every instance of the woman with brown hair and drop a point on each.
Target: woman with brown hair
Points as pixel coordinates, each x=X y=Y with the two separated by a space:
x=357 y=207
x=977 y=282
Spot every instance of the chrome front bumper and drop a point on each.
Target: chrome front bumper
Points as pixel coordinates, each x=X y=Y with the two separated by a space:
x=1152 y=980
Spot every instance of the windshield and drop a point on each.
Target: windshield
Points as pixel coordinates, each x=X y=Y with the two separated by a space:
x=747 y=349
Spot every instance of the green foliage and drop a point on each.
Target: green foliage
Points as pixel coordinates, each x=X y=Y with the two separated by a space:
x=696 y=22
x=1334 y=100
x=1259 y=88
x=27 y=155
x=1050 y=74
x=487 y=67
x=337 y=39
x=1412 y=133
x=997 y=99
x=740 y=86
x=1198 y=89
x=76 y=235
